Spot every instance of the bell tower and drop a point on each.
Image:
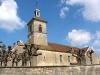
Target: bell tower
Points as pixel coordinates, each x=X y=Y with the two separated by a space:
x=37 y=33
x=37 y=13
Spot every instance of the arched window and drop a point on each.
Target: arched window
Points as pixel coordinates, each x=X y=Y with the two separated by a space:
x=37 y=13
x=40 y=28
x=30 y=28
x=61 y=58
x=69 y=59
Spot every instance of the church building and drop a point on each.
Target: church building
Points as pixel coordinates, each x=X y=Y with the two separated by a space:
x=52 y=54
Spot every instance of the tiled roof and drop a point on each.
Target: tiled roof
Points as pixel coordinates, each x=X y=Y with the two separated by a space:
x=62 y=48
x=57 y=48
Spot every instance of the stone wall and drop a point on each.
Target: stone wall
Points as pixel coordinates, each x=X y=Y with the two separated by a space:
x=51 y=58
x=50 y=70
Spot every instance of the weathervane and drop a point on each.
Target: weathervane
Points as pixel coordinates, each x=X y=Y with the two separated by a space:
x=37 y=4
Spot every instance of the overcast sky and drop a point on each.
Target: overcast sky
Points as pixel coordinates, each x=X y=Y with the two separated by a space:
x=70 y=22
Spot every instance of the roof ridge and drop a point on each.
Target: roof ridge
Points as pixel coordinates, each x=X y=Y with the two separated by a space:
x=58 y=44
x=62 y=45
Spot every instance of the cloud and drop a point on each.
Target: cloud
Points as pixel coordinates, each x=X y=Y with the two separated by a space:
x=63 y=12
x=96 y=42
x=98 y=35
x=96 y=46
x=79 y=37
x=9 y=19
x=83 y=38
x=91 y=8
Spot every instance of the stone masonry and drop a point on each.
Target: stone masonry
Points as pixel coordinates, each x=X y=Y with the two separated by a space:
x=51 y=70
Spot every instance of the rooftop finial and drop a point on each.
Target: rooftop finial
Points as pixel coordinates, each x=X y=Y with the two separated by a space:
x=37 y=4
x=37 y=11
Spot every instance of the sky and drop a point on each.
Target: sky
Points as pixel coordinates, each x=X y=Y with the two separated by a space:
x=70 y=22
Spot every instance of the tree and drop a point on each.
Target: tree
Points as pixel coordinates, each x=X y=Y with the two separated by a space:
x=31 y=50
x=3 y=55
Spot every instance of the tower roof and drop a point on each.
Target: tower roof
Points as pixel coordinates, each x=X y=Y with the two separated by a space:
x=36 y=18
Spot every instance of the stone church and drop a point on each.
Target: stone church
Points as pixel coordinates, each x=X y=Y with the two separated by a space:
x=46 y=53
x=52 y=54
